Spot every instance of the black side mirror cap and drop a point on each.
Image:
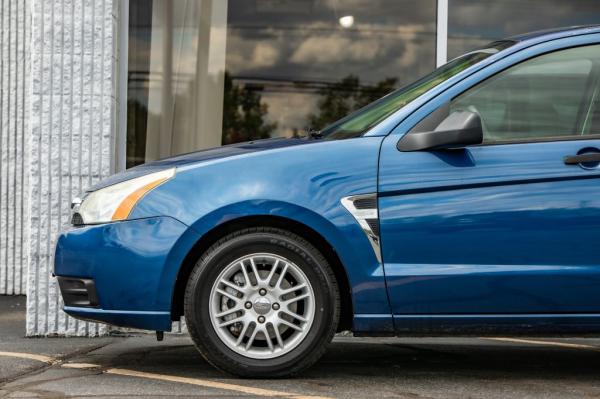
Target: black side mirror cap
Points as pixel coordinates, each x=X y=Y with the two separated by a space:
x=458 y=130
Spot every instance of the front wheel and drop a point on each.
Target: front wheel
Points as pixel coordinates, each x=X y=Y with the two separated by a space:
x=262 y=302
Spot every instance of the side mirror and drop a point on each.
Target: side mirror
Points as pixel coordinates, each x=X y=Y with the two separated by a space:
x=458 y=130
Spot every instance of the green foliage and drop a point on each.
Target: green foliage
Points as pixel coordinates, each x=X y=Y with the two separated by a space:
x=244 y=114
x=347 y=95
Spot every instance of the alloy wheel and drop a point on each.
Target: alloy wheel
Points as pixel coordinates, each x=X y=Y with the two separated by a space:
x=262 y=306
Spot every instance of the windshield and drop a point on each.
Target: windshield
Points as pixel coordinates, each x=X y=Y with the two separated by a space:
x=361 y=121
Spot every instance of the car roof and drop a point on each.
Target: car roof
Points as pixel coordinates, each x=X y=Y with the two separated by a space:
x=555 y=33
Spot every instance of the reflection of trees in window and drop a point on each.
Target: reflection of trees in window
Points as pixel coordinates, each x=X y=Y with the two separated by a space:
x=244 y=114
x=341 y=98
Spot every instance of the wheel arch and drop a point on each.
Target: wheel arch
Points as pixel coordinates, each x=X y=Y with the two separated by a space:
x=291 y=225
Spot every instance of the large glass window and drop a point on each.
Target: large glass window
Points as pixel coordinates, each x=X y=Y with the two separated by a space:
x=472 y=23
x=209 y=72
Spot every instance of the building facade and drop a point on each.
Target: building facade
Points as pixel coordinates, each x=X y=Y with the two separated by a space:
x=92 y=87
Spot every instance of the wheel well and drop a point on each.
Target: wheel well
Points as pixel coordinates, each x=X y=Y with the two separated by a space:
x=293 y=226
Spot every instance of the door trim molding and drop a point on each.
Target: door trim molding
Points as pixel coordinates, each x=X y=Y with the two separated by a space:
x=466 y=186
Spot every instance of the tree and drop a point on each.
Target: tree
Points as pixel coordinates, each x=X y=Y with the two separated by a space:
x=244 y=114
x=343 y=97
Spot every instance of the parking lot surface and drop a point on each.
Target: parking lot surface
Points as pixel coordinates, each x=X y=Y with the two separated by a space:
x=139 y=366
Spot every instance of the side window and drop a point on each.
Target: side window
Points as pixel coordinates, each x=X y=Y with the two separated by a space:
x=552 y=96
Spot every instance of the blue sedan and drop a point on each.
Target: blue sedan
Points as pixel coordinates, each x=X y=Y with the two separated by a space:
x=465 y=203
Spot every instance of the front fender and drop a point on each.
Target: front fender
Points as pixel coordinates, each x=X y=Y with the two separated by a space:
x=301 y=183
x=339 y=229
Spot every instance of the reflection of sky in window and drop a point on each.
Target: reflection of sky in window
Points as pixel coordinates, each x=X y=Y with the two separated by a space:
x=474 y=23
x=303 y=40
x=282 y=40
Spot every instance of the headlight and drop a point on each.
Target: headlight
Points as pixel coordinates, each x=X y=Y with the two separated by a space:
x=115 y=202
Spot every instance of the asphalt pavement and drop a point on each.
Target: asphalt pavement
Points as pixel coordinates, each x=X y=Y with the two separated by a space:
x=139 y=366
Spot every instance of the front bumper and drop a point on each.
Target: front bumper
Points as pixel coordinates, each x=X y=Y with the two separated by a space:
x=132 y=267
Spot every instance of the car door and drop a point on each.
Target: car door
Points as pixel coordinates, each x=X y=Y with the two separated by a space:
x=507 y=229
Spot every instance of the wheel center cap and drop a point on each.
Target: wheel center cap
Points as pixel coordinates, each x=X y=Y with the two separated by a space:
x=262 y=305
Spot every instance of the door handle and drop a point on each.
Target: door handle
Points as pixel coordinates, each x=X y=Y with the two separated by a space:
x=582 y=158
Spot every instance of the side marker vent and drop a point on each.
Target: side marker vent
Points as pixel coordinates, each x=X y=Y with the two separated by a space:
x=364 y=209
x=366 y=203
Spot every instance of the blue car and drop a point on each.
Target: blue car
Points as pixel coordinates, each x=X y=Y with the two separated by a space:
x=465 y=203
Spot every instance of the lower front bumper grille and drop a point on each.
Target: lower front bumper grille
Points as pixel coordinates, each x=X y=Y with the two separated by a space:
x=78 y=292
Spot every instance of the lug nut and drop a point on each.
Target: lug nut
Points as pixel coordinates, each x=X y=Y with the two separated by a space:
x=248 y=305
x=261 y=319
x=275 y=306
x=262 y=292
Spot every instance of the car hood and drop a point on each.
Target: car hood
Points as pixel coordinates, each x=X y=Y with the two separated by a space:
x=199 y=156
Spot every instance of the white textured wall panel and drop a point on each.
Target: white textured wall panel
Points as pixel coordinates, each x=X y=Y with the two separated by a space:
x=73 y=116
x=15 y=39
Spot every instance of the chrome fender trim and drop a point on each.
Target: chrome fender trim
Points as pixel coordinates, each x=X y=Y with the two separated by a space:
x=364 y=209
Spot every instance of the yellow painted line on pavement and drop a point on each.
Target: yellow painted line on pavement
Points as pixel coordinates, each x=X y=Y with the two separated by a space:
x=162 y=377
x=29 y=356
x=547 y=343
x=206 y=383
x=80 y=366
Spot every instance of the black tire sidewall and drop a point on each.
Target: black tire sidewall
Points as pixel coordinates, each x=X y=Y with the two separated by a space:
x=209 y=268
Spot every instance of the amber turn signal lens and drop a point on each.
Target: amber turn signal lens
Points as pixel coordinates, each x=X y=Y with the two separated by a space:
x=129 y=202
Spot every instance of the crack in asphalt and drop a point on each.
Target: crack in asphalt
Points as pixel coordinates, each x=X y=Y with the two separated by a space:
x=138 y=357
x=59 y=359
x=46 y=394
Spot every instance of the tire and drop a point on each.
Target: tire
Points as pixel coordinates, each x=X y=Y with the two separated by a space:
x=277 y=348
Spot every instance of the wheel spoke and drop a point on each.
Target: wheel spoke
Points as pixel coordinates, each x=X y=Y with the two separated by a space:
x=252 y=336
x=265 y=331
x=228 y=312
x=230 y=322
x=233 y=286
x=278 y=336
x=295 y=316
x=290 y=325
x=255 y=271
x=297 y=298
x=292 y=289
x=282 y=275
x=272 y=273
x=227 y=294
x=245 y=273
x=242 y=334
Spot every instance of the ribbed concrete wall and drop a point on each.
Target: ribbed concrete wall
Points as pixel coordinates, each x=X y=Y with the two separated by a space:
x=73 y=117
x=15 y=39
